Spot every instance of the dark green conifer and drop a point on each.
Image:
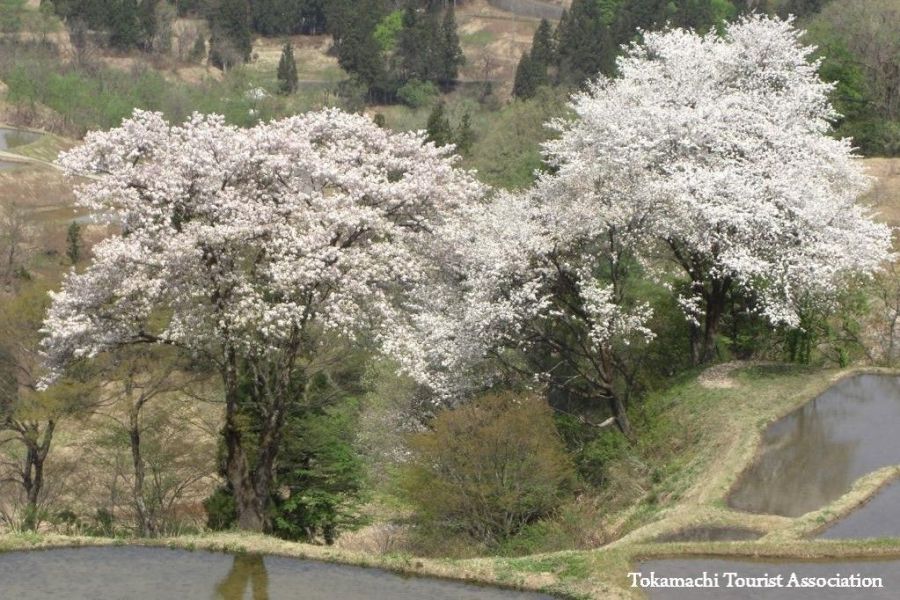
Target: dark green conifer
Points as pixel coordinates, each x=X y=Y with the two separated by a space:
x=451 y=54
x=231 y=41
x=438 y=127
x=542 y=45
x=287 y=70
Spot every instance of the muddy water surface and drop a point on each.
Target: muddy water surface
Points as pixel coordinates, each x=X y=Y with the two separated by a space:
x=812 y=456
x=877 y=518
x=162 y=574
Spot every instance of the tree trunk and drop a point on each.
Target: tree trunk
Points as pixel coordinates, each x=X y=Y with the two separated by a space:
x=251 y=483
x=703 y=337
x=146 y=521
x=33 y=470
x=617 y=407
x=250 y=502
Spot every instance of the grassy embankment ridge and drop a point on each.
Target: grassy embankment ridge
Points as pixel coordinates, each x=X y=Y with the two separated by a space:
x=702 y=433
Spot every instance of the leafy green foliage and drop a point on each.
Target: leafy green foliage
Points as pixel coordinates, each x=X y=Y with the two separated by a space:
x=11 y=15
x=488 y=468
x=507 y=153
x=320 y=469
x=388 y=29
x=416 y=94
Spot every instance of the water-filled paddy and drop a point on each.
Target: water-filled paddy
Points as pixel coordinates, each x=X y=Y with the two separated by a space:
x=813 y=455
x=13 y=138
x=163 y=574
x=877 y=518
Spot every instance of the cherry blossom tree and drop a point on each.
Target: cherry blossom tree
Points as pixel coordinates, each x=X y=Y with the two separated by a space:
x=729 y=133
x=709 y=153
x=540 y=276
x=245 y=248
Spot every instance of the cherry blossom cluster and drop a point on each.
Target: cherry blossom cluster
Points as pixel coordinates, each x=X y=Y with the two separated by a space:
x=241 y=240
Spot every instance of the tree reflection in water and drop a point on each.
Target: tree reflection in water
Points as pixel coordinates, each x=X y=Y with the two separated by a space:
x=247 y=568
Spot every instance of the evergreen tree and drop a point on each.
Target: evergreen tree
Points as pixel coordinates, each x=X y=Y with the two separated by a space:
x=73 y=242
x=352 y=26
x=542 y=45
x=451 y=54
x=586 y=47
x=285 y=17
x=147 y=22
x=123 y=24
x=465 y=135
x=231 y=41
x=287 y=70
x=530 y=75
x=438 y=126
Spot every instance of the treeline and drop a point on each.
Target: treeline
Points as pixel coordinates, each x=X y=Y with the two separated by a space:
x=590 y=35
x=856 y=44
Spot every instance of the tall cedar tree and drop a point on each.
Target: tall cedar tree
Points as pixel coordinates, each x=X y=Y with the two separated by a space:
x=451 y=54
x=530 y=75
x=287 y=70
x=586 y=47
x=352 y=25
x=531 y=72
x=543 y=48
x=428 y=48
x=231 y=41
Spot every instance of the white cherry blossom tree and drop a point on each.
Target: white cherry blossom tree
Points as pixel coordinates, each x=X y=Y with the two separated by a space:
x=709 y=153
x=540 y=275
x=244 y=247
x=729 y=135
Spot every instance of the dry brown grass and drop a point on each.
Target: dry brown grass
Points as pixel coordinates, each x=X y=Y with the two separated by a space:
x=885 y=193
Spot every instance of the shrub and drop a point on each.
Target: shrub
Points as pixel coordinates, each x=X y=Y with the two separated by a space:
x=488 y=469
x=417 y=93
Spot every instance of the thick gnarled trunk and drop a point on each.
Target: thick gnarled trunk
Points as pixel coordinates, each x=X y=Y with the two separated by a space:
x=251 y=479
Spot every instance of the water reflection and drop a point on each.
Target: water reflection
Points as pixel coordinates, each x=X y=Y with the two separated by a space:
x=812 y=456
x=247 y=569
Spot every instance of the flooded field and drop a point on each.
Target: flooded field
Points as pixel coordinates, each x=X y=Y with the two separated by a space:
x=163 y=574
x=813 y=455
x=877 y=518
x=12 y=138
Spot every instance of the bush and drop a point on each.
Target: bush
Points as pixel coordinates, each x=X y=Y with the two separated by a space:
x=221 y=512
x=417 y=93
x=488 y=469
